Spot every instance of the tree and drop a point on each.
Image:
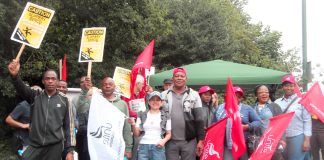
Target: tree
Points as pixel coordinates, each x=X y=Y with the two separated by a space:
x=198 y=34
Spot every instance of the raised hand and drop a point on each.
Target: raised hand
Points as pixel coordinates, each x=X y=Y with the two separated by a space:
x=14 y=67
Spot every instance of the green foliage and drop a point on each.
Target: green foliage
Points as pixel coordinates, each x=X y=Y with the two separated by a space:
x=5 y=147
x=198 y=34
x=131 y=25
x=185 y=32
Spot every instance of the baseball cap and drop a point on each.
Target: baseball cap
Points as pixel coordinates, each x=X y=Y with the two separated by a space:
x=238 y=89
x=167 y=81
x=179 y=69
x=153 y=94
x=204 y=89
x=288 y=78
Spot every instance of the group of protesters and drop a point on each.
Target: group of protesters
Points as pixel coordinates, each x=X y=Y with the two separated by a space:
x=172 y=127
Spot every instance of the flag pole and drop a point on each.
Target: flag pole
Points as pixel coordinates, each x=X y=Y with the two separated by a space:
x=60 y=68
x=20 y=51
x=89 y=69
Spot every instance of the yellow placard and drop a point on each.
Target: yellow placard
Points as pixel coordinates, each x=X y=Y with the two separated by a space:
x=32 y=25
x=92 y=44
x=122 y=81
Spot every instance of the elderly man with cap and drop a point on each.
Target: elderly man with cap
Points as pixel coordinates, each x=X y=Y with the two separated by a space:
x=250 y=121
x=185 y=108
x=299 y=130
x=167 y=83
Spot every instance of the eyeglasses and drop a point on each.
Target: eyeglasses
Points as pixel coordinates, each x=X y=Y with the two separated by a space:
x=263 y=92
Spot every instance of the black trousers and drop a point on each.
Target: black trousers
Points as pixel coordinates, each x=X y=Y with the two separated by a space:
x=82 y=146
x=51 y=152
x=317 y=145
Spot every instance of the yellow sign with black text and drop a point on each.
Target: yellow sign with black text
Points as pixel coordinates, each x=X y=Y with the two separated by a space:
x=32 y=25
x=122 y=81
x=92 y=44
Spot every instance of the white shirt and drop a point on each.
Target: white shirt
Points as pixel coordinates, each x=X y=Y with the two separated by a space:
x=152 y=128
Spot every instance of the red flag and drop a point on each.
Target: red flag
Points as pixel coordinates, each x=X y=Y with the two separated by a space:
x=313 y=101
x=297 y=90
x=233 y=113
x=271 y=136
x=214 y=141
x=143 y=61
x=64 y=68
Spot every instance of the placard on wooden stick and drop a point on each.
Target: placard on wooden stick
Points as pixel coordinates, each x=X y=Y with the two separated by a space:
x=92 y=46
x=122 y=81
x=32 y=25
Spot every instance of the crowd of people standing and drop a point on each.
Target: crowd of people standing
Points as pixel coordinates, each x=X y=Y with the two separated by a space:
x=172 y=127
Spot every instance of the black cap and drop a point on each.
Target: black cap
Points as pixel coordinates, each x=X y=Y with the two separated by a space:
x=167 y=80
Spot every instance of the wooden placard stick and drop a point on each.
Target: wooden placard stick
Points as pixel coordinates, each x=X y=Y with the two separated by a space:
x=20 y=52
x=89 y=69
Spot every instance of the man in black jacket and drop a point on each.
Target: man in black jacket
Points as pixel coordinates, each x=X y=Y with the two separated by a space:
x=51 y=117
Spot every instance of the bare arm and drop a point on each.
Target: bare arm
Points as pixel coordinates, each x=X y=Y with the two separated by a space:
x=165 y=139
x=306 y=144
x=136 y=130
x=10 y=121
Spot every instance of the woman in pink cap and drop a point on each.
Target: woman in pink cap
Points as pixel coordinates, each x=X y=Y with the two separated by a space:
x=206 y=95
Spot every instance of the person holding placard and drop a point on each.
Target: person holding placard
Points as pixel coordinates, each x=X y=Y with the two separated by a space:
x=82 y=106
x=51 y=120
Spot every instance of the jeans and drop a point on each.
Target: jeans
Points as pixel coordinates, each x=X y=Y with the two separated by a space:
x=150 y=152
x=294 y=148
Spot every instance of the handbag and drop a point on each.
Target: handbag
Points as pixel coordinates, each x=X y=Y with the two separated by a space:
x=252 y=142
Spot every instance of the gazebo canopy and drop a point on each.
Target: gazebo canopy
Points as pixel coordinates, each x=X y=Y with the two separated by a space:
x=216 y=72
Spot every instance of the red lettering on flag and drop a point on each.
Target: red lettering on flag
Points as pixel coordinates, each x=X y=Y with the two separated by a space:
x=271 y=136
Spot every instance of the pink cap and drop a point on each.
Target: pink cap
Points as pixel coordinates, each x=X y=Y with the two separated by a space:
x=204 y=89
x=179 y=69
x=288 y=78
x=238 y=89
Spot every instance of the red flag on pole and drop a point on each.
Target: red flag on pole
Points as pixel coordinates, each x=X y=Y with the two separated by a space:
x=271 y=136
x=143 y=61
x=214 y=141
x=232 y=111
x=64 y=68
x=313 y=101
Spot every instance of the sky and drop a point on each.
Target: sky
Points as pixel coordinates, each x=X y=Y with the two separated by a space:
x=285 y=16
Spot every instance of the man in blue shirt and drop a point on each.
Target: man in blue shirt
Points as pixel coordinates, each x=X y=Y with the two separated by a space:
x=20 y=119
x=299 y=130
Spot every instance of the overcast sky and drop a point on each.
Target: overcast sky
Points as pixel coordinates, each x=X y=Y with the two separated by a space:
x=285 y=16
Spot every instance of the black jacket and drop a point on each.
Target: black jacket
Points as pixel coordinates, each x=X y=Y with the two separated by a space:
x=51 y=117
